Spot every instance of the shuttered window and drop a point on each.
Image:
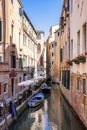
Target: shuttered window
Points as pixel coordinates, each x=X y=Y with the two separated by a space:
x=21 y=63
x=66 y=78
x=84 y=86
x=61 y=55
x=78 y=83
x=13 y=61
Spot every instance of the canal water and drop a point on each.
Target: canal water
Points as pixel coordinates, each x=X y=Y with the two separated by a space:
x=54 y=114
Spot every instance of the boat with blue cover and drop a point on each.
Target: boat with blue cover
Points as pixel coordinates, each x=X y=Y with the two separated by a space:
x=36 y=100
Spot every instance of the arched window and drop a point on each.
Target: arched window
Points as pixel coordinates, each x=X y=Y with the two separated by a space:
x=38 y=48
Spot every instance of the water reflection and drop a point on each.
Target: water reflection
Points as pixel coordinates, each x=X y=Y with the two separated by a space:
x=54 y=114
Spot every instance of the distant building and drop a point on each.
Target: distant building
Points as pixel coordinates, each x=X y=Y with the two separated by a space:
x=41 y=53
x=50 y=43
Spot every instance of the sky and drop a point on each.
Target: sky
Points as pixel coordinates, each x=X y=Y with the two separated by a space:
x=43 y=13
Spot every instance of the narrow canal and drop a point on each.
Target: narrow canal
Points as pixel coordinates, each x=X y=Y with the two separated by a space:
x=54 y=114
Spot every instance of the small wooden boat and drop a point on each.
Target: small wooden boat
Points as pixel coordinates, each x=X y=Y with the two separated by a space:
x=36 y=100
x=45 y=88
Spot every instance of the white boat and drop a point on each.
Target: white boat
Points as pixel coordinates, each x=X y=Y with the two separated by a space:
x=36 y=100
x=45 y=88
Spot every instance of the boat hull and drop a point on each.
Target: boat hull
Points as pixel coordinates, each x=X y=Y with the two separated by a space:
x=36 y=100
x=46 y=90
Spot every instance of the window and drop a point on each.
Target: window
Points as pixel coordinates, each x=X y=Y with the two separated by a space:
x=0 y=87
x=71 y=6
x=21 y=63
x=24 y=61
x=58 y=34
x=52 y=62
x=52 y=45
x=24 y=39
x=12 y=1
x=12 y=28
x=55 y=43
x=71 y=81
x=52 y=54
x=20 y=79
x=84 y=86
x=67 y=5
x=0 y=31
x=61 y=55
x=5 y=87
x=71 y=49
x=21 y=11
x=68 y=79
x=38 y=48
x=41 y=60
x=13 y=61
x=78 y=83
x=78 y=42
x=1 y=60
x=19 y=38
x=84 y=39
x=38 y=35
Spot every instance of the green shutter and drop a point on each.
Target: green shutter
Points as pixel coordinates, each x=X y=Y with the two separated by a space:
x=21 y=63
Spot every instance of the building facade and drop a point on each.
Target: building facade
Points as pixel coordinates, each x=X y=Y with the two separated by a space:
x=70 y=55
x=73 y=55
x=18 y=47
x=50 y=45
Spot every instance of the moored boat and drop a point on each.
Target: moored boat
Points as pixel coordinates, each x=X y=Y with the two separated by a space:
x=45 y=88
x=36 y=100
x=49 y=81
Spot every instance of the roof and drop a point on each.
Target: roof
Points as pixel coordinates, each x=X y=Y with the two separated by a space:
x=40 y=31
x=20 y=3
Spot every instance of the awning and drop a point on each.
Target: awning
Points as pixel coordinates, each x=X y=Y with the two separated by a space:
x=26 y=83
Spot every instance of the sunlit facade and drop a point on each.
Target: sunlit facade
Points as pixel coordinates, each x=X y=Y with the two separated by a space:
x=18 y=47
x=73 y=48
x=50 y=45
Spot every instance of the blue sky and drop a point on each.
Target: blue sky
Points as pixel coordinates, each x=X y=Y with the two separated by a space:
x=43 y=13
